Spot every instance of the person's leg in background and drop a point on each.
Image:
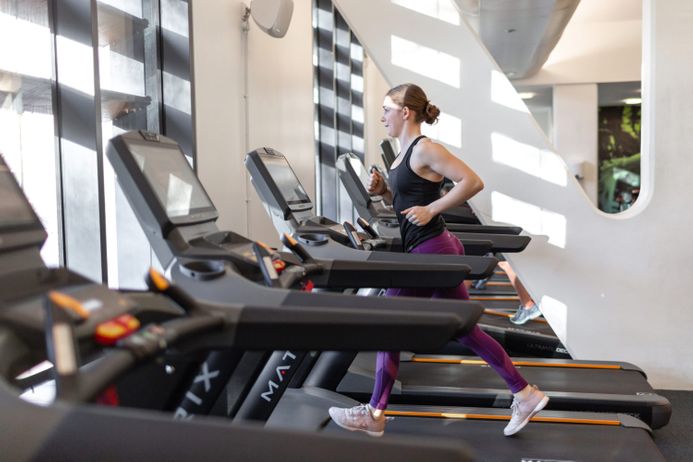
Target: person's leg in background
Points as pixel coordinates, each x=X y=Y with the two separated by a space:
x=528 y=309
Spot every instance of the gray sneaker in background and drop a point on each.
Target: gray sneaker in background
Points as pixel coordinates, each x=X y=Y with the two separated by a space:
x=358 y=418
x=525 y=409
x=522 y=315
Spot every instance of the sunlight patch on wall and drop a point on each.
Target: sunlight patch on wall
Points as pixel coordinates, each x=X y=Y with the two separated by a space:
x=448 y=130
x=503 y=93
x=557 y=312
x=539 y=163
x=439 y=9
x=533 y=219
x=425 y=61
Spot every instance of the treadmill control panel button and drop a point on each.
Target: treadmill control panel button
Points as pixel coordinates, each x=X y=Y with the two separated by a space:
x=109 y=332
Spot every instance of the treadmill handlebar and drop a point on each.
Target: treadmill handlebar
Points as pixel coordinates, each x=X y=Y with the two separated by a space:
x=384 y=274
x=264 y=261
x=310 y=327
x=293 y=245
x=77 y=384
x=353 y=236
x=61 y=345
x=156 y=282
x=237 y=326
x=367 y=228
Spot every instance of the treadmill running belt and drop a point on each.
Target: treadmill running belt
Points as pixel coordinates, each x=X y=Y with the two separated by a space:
x=531 y=326
x=538 y=441
x=549 y=379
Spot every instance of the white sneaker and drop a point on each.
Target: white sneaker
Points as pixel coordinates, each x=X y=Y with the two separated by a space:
x=525 y=409
x=358 y=418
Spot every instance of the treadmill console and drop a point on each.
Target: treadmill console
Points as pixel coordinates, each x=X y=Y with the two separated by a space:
x=19 y=225
x=387 y=152
x=354 y=175
x=276 y=182
x=164 y=178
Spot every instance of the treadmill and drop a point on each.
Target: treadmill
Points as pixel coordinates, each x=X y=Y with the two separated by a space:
x=290 y=209
x=614 y=435
x=552 y=435
x=163 y=159
x=75 y=321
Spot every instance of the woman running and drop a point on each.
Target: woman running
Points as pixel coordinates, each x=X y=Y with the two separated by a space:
x=416 y=179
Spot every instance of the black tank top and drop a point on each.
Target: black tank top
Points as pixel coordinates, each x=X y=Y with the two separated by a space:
x=408 y=190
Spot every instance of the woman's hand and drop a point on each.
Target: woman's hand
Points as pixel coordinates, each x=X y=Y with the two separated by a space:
x=376 y=183
x=418 y=215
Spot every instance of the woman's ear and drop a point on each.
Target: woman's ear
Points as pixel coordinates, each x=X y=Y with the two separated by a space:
x=405 y=113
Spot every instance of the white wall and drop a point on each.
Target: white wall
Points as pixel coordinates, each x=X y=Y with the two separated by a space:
x=544 y=117
x=613 y=287
x=601 y=43
x=575 y=135
x=280 y=103
x=218 y=107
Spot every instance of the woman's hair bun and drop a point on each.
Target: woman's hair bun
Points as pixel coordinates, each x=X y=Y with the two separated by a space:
x=431 y=113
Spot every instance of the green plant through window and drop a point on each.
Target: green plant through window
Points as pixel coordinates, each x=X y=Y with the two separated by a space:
x=619 y=157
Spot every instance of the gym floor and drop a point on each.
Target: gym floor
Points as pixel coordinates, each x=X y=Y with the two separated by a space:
x=676 y=439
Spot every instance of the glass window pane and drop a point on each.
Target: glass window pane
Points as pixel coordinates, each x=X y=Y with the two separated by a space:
x=82 y=199
x=619 y=145
x=27 y=129
x=175 y=56
x=130 y=82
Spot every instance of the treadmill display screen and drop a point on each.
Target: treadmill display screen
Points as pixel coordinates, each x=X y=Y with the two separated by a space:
x=285 y=179
x=172 y=179
x=15 y=210
x=360 y=170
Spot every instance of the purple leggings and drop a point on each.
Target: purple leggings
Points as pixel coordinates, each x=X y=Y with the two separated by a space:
x=476 y=340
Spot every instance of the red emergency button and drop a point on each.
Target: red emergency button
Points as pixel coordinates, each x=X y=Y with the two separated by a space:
x=109 y=332
x=279 y=265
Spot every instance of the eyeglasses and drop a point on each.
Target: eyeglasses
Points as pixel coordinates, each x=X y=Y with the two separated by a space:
x=387 y=109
